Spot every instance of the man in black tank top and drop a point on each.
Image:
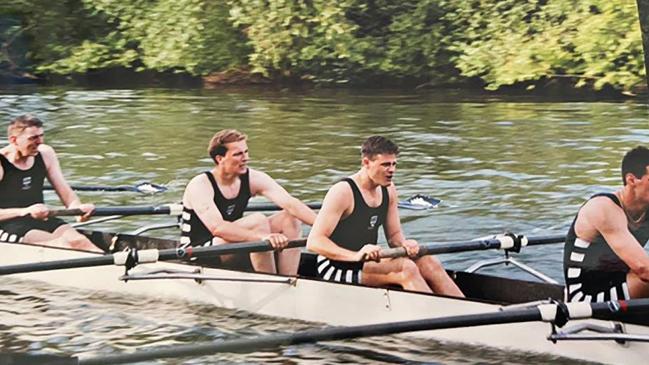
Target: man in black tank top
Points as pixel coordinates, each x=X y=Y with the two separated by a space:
x=214 y=203
x=345 y=233
x=604 y=258
x=24 y=165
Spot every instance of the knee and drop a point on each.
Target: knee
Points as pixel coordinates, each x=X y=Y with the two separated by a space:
x=79 y=241
x=285 y=222
x=430 y=263
x=261 y=222
x=409 y=270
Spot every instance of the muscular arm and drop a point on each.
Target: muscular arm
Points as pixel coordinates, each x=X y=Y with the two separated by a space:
x=55 y=176
x=9 y=213
x=602 y=215
x=393 y=231
x=262 y=184
x=336 y=204
x=392 y=228
x=199 y=196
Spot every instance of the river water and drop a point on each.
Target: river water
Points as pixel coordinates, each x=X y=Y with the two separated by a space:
x=497 y=164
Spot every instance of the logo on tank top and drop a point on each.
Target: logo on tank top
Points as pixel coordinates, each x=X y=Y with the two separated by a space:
x=373 y=220
x=27 y=183
x=230 y=209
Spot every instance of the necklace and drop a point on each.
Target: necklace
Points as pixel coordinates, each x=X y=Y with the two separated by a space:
x=633 y=220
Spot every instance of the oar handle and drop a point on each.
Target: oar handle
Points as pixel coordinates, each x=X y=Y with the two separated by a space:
x=169 y=209
x=391 y=253
x=134 y=257
x=267 y=207
x=65 y=212
x=497 y=242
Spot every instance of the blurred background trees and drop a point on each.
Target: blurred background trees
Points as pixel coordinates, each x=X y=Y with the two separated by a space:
x=591 y=44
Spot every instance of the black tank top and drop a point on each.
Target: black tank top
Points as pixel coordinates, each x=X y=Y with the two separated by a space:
x=193 y=229
x=598 y=257
x=362 y=225
x=22 y=188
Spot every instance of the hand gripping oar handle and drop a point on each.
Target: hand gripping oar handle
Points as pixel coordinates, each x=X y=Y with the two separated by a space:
x=134 y=257
x=168 y=209
x=506 y=242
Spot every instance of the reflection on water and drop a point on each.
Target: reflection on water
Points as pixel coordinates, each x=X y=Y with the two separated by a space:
x=65 y=322
x=497 y=165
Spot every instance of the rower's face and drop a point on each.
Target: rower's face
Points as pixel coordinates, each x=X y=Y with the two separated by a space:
x=381 y=168
x=236 y=158
x=641 y=186
x=28 y=140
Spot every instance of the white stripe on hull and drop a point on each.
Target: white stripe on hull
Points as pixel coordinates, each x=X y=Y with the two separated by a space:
x=332 y=303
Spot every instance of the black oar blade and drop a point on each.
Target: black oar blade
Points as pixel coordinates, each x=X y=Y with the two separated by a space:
x=143 y=188
x=150 y=188
x=419 y=202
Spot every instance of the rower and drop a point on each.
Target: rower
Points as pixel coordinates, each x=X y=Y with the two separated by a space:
x=214 y=202
x=24 y=165
x=345 y=233
x=604 y=258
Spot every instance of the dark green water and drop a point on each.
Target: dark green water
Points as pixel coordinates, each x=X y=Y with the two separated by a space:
x=523 y=166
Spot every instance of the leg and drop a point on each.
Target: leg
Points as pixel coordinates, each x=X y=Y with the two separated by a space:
x=287 y=260
x=637 y=287
x=63 y=236
x=436 y=277
x=261 y=261
x=400 y=271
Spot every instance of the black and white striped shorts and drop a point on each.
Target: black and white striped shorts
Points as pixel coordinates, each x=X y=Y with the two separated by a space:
x=339 y=271
x=13 y=230
x=596 y=286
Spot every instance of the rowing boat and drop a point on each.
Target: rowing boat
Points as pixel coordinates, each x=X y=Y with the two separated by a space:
x=310 y=299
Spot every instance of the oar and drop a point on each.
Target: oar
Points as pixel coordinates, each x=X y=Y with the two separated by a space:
x=168 y=209
x=145 y=188
x=505 y=242
x=134 y=257
x=556 y=313
x=415 y=202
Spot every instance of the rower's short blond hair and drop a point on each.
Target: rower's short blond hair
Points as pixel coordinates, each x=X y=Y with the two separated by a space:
x=19 y=124
x=221 y=138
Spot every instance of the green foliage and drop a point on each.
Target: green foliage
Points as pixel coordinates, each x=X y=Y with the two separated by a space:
x=297 y=38
x=594 y=43
x=597 y=42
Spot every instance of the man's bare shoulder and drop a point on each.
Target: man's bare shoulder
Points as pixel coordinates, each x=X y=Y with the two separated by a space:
x=258 y=176
x=599 y=205
x=602 y=214
x=46 y=151
x=340 y=190
x=197 y=189
x=198 y=182
x=48 y=154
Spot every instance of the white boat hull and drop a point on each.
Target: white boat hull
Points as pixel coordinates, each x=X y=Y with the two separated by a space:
x=324 y=302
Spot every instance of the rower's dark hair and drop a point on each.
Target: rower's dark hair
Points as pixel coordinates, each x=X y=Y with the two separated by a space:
x=220 y=139
x=19 y=124
x=635 y=162
x=376 y=145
